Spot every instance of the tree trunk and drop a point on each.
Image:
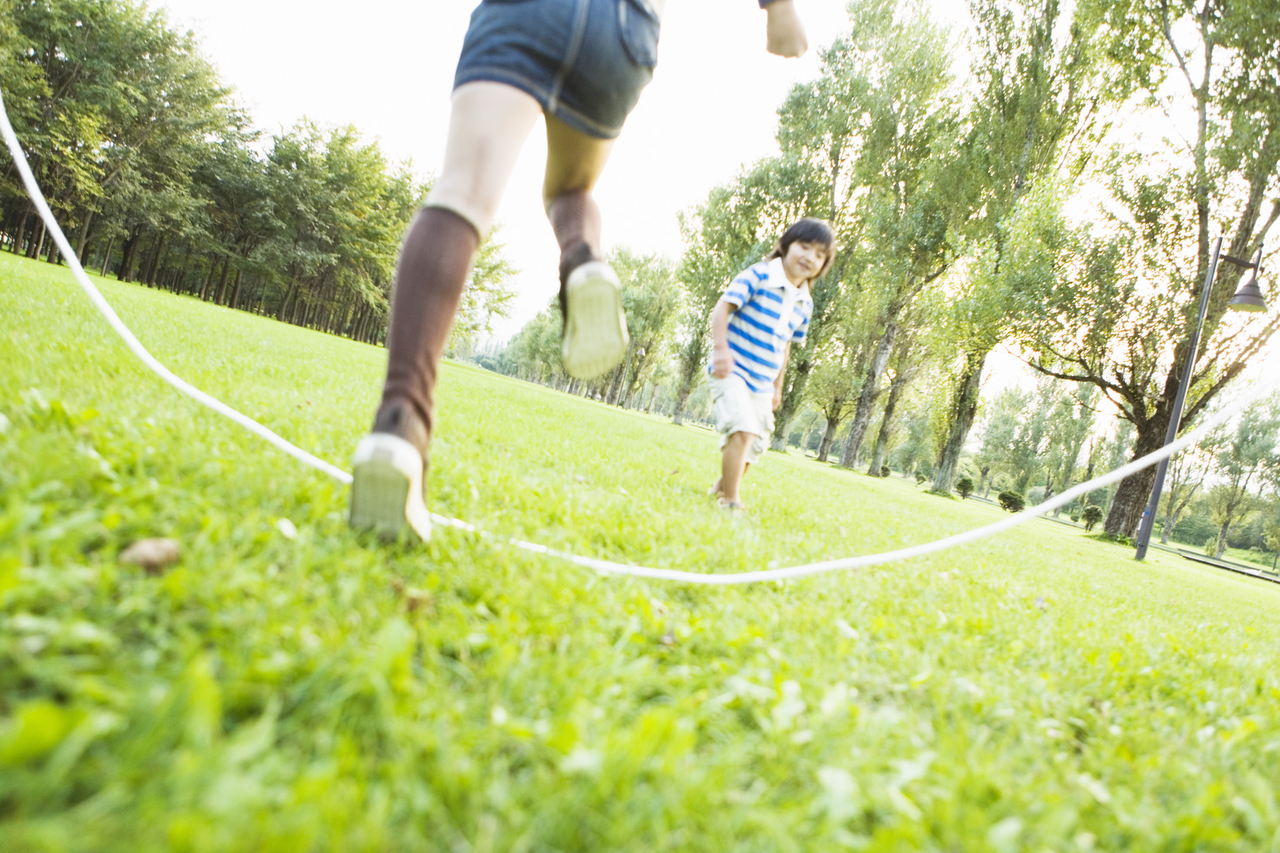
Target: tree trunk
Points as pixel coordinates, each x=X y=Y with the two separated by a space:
x=106 y=256
x=792 y=399
x=1135 y=490
x=284 y=303
x=222 y=281
x=22 y=230
x=38 y=245
x=964 y=408
x=867 y=397
x=158 y=259
x=82 y=242
x=615 y=381
x=886 y=424
x=130 y=248
x=362 y=322
x=148 y=262
x=235 y=291
x=208 y=279
x=808 y=436
x=1222 y=539
x=828 y=439
x=692 y=359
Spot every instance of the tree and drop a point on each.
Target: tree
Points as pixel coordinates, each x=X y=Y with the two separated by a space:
x=1070 y=423
x=1187 y=471
x=1218 y=58
x=911 y=357
x=896 y=71
x=1011 y=501
x=1245 y=458
x=119 y=112
x=649 y=298
x=1034 y=99
x=488 y=293
x=155 y=171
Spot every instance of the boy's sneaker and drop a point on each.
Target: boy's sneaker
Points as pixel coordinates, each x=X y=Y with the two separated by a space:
x=595 y=327
x=389 y=476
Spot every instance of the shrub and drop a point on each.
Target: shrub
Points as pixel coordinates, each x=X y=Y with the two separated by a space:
x=964 y=487
x=1092 y=515
x=1012 y=501
x=920 y=478
x=884 y=471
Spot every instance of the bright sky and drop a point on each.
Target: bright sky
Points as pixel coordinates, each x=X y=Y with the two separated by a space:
x=386 y=66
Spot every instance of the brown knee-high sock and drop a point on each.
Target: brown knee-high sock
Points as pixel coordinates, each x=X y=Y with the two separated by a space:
x=575 y=219
x=430 y=276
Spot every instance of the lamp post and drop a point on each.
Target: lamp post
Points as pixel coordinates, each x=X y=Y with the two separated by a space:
x=1247 y=298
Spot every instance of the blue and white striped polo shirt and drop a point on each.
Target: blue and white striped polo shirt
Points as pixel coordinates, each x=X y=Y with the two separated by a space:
x=771 y=312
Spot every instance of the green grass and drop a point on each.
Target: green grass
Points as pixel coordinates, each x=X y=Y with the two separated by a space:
x=1039 y=691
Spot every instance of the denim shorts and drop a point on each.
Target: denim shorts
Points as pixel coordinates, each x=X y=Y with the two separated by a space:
x=585 y=61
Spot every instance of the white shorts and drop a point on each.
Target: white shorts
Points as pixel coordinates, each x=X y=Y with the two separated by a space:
x=737 y=409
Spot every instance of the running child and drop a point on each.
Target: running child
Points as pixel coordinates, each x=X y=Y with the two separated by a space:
x=581 y=64
x=765 y=309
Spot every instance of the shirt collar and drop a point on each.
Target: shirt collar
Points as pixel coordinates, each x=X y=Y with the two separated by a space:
x=778 y=278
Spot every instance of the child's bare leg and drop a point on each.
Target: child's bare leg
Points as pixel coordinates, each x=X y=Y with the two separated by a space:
x=733 y=465
x=574 y=164
x=595 y=327
x=488 y=125
x=716 y=490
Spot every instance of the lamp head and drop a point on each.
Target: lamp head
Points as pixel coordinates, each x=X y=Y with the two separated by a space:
x=1249 y=297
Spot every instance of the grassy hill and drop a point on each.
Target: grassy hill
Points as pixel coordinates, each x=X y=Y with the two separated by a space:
x=289 y=685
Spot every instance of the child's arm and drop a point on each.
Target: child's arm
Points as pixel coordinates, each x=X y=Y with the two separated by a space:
x=785 y=32
x=721 y=355
x=782 y=373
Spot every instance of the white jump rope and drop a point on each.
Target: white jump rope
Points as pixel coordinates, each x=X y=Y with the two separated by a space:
x=1260 y=389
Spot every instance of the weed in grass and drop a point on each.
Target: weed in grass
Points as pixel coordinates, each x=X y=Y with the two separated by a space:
x=292 y=686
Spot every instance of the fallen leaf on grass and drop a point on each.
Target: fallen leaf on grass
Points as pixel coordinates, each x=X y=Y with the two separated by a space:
x=413 y=598
x=151 y=555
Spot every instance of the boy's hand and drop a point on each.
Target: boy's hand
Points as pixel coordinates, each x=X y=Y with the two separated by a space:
x=721 y=362
x=777 y=398
x=785 y=32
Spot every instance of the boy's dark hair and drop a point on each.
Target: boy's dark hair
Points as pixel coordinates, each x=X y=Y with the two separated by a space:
x=808 y=230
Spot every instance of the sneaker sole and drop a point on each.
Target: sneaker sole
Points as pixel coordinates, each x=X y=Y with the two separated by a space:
x=595 y=337
x=386 y=488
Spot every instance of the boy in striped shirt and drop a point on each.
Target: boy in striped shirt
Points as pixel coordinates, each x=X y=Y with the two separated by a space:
x=765 y=308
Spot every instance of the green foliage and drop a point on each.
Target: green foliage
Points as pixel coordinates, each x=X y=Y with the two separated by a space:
x=1152 y=254
x=157 y=175
x=964 y=487
x=1011 y=501
x=1091 y=514
x=294 y=686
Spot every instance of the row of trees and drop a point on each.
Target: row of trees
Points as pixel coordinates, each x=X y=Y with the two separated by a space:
x=159 y=177
x=1226 y=490
x=1017 y=202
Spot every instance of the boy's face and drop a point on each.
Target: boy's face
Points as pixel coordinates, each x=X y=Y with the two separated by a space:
x=803 y=261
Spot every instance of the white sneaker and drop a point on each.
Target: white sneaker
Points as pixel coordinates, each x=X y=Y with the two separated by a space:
x=595 y=329
x=387 y=486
